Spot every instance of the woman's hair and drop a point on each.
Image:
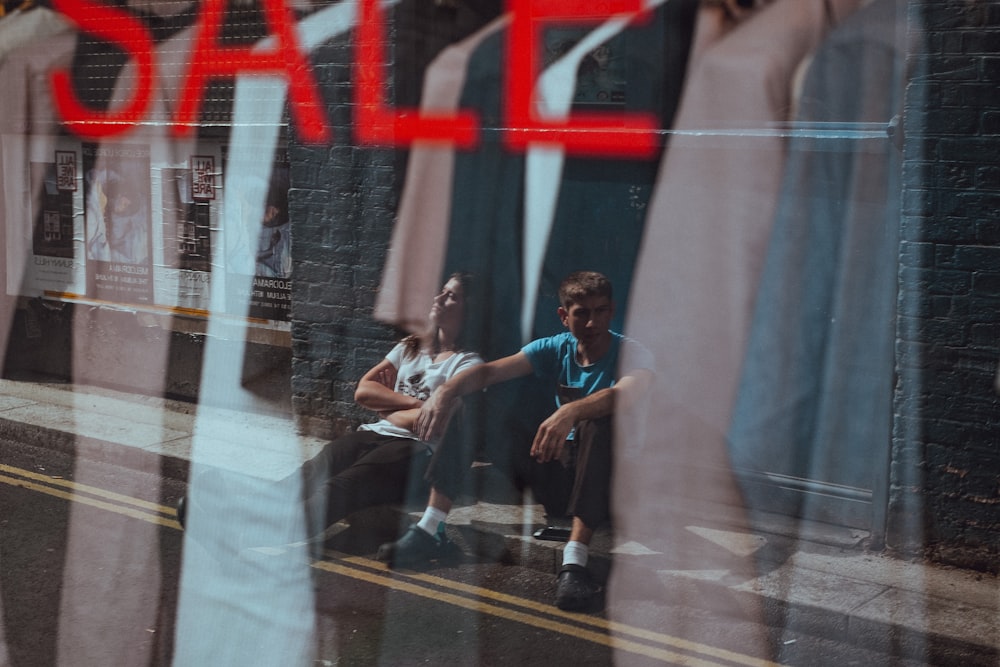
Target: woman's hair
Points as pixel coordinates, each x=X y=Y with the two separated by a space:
x=470 y=299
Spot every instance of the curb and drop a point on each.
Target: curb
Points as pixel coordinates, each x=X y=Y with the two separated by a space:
x=101 y=451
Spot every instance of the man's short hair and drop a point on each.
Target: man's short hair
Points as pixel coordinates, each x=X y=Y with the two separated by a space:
x=580 y=285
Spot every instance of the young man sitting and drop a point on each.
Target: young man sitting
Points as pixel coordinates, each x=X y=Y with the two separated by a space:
x=572 y=445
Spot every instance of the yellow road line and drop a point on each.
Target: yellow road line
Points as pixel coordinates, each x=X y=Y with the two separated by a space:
x=71 y=496
x=582 y=619
x=482 y=606
x=84 y=488
x=483 y=600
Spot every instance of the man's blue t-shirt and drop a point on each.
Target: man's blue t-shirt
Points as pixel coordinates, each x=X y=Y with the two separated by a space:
x=554 y=359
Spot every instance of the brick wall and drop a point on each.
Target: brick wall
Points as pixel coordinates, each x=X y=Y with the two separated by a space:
x=343 y=202
x=945 y=480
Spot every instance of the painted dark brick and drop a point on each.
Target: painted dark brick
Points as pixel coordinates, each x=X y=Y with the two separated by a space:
x=945 y=460
x=984 y=310
x=910 y=353
x=949 y=229
x=918 y=255
x=956 y=176
x=929 y=90
x=974 y=258
x=917 y=201
x=966 y=148
x=971 y=206
x=942 y=16
x=945 y=43
x=972 y=93
x=956 y=68
x=936 y=281
x=990 y=123
x=985 y=336
x=988 y=178
x=979 y=42
x=990 y=68
x=987 y=284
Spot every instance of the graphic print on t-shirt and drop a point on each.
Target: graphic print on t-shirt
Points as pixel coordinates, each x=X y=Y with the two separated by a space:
x=414 y=386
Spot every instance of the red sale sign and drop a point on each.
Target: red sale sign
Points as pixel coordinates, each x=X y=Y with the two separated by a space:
x=623 y=134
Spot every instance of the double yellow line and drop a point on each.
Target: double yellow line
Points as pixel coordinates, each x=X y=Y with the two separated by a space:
x=618 y=636
x=90 y=495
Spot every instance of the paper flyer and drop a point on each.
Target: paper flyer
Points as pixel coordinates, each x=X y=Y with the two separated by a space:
x=118 y=222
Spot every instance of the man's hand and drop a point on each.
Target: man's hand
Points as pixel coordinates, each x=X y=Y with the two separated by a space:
x=437 y=410
x=550 y=439
x=434 y=416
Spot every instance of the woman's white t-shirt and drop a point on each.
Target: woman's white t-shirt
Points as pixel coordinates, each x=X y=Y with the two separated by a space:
x=417 y=375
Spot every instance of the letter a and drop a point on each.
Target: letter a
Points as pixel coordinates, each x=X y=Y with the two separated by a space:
x=209 y=60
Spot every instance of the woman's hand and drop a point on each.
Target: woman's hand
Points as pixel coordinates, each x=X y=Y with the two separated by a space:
x=376 y=390
x=387 y=377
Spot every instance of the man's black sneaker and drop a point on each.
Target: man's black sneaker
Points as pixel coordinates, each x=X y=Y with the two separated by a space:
x=416 y=547
x=574 y=589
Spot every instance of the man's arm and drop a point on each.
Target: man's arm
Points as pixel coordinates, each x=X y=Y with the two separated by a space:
x=550 y=438
x=436 y=411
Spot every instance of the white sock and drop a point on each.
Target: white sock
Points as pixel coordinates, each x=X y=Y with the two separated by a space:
x=575 y=553
x=432 y=518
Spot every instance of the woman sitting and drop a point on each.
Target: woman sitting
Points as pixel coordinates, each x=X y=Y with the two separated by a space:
x=384 y=462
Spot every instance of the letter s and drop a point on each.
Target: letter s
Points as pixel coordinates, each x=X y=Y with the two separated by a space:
x=133 y=37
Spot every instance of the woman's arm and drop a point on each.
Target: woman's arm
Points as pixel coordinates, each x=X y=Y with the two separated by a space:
x=375 y=390
x=402 y=418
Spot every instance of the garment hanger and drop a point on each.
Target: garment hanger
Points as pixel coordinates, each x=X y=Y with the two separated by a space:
x=736 y=9
x=11 y=7
x=543 y=165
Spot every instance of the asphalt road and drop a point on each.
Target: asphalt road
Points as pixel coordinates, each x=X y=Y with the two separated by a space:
x=94 y=570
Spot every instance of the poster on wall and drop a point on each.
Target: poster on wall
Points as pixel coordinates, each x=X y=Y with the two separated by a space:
x=42 y=198
x=118 y=222
x=189 y=196
x=261 y=248
x=55 y=184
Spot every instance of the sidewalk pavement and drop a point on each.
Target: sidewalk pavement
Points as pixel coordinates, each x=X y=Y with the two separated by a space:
x=815 y=579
